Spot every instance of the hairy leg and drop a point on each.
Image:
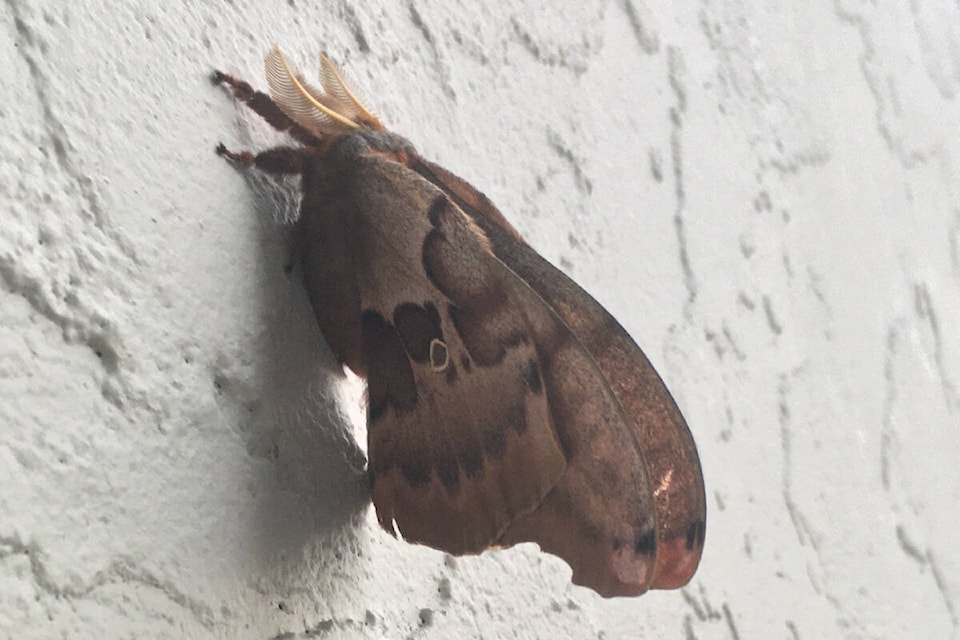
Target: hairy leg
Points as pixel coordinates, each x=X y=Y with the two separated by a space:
x=277 y=161
x=265 y=107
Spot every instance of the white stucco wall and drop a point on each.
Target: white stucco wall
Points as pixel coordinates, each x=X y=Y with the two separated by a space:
x=767 y=196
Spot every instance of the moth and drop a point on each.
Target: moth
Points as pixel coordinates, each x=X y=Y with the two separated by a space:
x=505 y=404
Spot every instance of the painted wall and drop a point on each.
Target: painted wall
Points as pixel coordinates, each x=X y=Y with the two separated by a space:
x=766 y=195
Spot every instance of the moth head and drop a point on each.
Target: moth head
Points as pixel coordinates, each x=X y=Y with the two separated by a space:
x=335 y=109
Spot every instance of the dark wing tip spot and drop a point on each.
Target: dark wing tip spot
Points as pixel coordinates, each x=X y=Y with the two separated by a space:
x=645 y=544
x=696 y=533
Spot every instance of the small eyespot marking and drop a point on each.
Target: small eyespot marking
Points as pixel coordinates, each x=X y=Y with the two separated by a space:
x=439 y=356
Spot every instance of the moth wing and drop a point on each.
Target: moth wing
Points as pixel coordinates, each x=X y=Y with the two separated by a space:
x=659 y=427
x=461 y=437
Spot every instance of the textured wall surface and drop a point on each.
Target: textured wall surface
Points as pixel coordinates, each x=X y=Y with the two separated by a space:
x=765 y=194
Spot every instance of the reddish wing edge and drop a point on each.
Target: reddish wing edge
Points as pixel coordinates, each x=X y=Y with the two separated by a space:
x=663 y=434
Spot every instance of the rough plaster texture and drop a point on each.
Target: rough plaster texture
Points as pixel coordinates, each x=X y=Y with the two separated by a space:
x=766 y=195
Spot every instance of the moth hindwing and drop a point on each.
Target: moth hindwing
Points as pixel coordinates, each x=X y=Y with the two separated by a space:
x=505 y=404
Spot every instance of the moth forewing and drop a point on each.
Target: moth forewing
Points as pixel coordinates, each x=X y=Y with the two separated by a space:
x=660 y=429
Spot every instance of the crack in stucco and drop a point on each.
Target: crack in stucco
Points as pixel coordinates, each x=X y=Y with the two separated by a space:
x=941 y=582
x=573 y=58
x=953 y=233
x=57 y=133
x=877 y=83
x=648 y=40
x=580 y=179
x=792 y=164
x=925 y=559
x=806 y=534
x=356 y=27
x=675 y=68
x=815 y=281
x=800 y=524
x=421 y=26
x=923 y=556
x=887 y=431
x=728 y=618
x=931 y=58
x=926 y=312
x=81 y=270
x=123 y=570
x=96 y=331
x=738 y=352
x=909 y=546
x=792 y=628
x=443 y=71
x=61 y=301
x=328 y=626
x=772 y=321
x=702 y=609
x=729 y=342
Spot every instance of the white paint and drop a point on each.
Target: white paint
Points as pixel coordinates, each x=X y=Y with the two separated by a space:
x=766 y=196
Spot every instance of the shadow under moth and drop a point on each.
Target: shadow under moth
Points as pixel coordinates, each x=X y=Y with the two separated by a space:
x=505 y=405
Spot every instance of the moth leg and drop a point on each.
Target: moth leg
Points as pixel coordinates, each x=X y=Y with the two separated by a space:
x=264 y=106
x=278 y=161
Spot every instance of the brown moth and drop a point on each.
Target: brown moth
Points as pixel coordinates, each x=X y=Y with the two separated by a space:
x=505 y=405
